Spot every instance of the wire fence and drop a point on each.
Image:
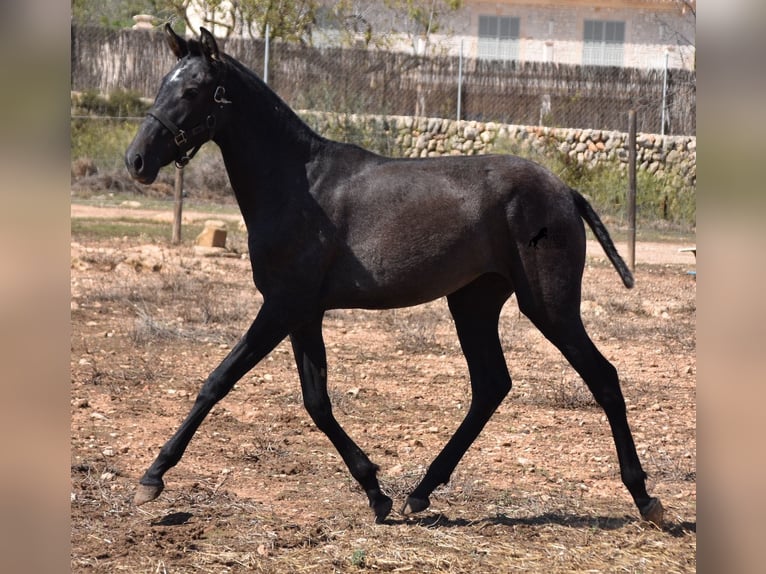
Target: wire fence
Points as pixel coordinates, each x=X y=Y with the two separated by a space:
x=350 y=80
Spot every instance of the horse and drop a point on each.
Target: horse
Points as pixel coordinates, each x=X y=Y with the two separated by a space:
x=334 y=226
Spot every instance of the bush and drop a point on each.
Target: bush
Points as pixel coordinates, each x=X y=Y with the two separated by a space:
x=119 y=104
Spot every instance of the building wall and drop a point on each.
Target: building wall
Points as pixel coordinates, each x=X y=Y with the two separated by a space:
x=555 y=31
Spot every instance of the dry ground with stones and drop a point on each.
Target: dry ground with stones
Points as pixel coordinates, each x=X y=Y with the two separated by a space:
x=260 y=489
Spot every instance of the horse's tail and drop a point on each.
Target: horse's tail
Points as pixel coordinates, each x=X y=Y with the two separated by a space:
x=599 y=230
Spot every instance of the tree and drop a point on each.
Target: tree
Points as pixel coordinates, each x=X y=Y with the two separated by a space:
x=373 y=22
x=419 y=20
x=290 y=20
x=680 y=27
x=380 y=24
x=111 y=13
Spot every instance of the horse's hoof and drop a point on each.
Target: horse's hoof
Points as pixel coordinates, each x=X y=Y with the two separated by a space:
x=382 y=508
x=146 y=493
x=413 y=505
x=653 y=512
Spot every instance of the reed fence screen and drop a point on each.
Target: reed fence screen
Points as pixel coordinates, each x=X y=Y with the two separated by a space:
x=347 y=80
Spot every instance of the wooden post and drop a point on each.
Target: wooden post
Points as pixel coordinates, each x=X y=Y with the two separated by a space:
x=632 y=190
x=178 y=198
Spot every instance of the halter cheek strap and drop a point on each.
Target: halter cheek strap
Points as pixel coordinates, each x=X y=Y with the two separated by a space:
x=180 y=137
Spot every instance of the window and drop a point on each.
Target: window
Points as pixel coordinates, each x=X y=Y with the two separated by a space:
x=498 y=38
x=603 y=43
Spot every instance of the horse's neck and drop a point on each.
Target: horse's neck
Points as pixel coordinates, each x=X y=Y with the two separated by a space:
x=263 y=144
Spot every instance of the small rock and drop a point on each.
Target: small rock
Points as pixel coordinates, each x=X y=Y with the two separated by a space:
x=144 y=258
x=213 y=234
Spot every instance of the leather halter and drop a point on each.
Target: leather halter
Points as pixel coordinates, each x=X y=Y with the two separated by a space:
x=180 y=136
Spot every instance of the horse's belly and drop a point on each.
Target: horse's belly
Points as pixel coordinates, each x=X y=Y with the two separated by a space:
x=386 y=280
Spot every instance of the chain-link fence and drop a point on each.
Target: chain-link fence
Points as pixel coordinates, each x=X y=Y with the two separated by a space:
x=394 y=83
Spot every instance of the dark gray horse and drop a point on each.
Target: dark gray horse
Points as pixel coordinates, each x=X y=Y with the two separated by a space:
x=331 y=225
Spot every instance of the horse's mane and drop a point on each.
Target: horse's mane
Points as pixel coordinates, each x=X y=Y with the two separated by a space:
x=254 y=84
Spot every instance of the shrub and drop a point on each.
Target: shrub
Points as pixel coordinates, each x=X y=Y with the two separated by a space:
x=120 y=104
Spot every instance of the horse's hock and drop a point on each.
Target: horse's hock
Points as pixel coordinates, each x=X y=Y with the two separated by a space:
x=213 y=235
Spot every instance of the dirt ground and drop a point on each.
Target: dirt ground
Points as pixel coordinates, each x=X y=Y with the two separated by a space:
x=260 y=489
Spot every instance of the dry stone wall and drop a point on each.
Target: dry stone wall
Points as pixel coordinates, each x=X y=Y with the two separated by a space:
x=405 y=136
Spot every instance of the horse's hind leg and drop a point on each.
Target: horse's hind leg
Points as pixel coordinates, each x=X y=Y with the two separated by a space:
x=310 y=356
x=562 y=325
x=476 y=310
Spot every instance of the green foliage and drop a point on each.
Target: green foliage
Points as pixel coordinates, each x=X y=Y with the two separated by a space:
x=424 y=18
x=358 y=558
x=120 y=104
x=112 y=13
x=104 y=135
x=289 y=20
x=101 y=139
x=87 y=229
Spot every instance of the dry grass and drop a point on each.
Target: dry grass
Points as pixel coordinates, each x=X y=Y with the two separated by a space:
x=261 y=490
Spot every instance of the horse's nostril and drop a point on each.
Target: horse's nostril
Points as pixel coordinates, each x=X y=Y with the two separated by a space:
x=138 y=163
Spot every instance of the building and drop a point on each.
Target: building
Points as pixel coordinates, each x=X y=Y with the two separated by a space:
x=628 y=33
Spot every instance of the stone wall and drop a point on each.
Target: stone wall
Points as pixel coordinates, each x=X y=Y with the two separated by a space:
x=404 y=136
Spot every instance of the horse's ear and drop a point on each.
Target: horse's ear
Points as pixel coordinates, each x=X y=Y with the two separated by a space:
x=177 y=44
x=209 y=45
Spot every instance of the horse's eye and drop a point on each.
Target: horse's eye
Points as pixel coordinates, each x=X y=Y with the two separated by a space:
x=190 y=93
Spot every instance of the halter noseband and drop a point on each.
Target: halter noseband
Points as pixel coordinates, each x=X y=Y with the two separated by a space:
x=180 y=137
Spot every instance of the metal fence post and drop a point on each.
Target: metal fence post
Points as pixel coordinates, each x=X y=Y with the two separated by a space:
x=460 y=81
x=664 y=95
x=266 y=55
x=632 y=190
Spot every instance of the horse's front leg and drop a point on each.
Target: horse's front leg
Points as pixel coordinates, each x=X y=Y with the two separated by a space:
x=310 y=357
x=264 y=334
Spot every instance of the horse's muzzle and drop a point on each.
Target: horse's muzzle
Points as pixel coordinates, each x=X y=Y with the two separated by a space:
x=137 y=167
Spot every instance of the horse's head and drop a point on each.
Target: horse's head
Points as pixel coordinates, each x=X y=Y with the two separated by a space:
x=186 y=111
